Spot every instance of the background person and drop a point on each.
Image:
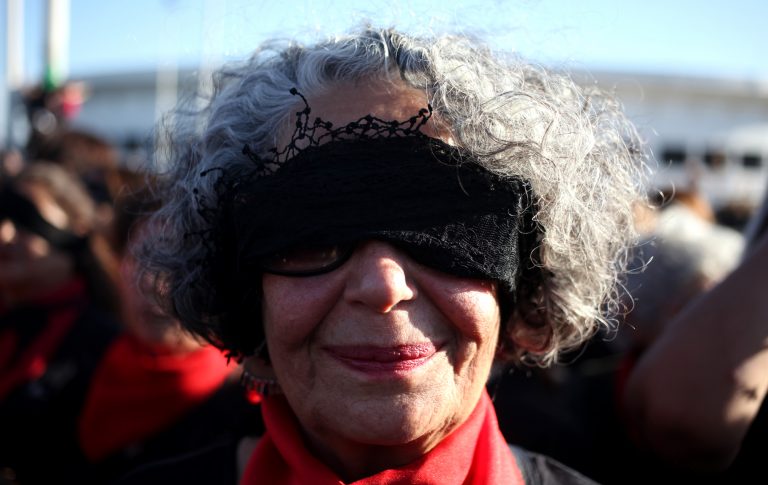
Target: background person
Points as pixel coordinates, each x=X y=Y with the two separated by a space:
x=697 y=396
x=159 y=391
x=58 y=311
x=685 y=254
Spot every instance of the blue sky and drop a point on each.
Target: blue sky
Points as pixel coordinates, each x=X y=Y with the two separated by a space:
x=716 y=38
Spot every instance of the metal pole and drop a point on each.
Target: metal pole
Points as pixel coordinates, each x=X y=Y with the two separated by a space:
x=56 y=44
x=14 y=65
x=14 y=60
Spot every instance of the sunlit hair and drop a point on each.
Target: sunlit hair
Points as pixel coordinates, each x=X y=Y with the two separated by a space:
x=581 y=155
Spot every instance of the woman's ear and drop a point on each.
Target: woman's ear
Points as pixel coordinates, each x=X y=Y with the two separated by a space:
x=259 y=377
x=258 y=366
x=527 y=339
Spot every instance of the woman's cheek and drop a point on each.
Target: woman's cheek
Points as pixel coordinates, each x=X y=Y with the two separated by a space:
x=470 y=305
x=294 y=307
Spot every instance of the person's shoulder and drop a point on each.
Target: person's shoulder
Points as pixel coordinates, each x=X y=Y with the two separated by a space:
x=541 y=469
x=213 y=464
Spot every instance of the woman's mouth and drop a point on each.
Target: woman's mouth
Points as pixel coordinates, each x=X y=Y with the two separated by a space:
x=377 y=360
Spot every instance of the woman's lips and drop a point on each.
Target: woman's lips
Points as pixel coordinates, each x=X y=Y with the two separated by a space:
x=383 y=360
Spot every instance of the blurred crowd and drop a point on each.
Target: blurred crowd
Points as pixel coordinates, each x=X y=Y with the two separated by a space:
x=584 y=412
x=96 y=379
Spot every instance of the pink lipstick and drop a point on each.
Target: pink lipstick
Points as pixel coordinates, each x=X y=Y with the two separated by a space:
x=383 y=360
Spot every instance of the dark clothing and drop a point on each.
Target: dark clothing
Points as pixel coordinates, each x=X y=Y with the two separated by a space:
x=40 y=441
x=45 y=389
x=218 y=464
x=542 y=470
x=750 y=462
x=223 y=418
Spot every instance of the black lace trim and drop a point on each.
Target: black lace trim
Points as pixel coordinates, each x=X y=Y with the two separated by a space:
x=307 y=135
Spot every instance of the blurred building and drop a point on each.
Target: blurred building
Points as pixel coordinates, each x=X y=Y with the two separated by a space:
x=710 y=134
x=707 y=134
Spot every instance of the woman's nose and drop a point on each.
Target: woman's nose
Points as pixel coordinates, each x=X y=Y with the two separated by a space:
x=378 y=277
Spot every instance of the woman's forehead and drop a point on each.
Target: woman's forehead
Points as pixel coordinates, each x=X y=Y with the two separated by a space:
x=385 y=100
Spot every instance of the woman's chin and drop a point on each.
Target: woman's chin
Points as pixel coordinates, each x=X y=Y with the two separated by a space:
x=394 y=421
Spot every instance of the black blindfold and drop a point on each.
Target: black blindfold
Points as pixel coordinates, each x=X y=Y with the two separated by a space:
x=417 y=192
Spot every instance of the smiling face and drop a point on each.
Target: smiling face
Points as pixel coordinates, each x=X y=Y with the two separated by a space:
x=381 y=351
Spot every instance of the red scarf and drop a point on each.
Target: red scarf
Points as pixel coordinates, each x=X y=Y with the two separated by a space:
x=136 y=393
x=475 y=453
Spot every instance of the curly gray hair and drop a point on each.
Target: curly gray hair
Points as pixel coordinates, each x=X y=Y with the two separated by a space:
x=581 y=155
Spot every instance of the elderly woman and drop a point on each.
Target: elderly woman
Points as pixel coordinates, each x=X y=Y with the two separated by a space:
x=374 y=221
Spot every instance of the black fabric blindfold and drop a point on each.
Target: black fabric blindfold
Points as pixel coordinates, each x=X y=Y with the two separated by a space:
x=417 y=192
